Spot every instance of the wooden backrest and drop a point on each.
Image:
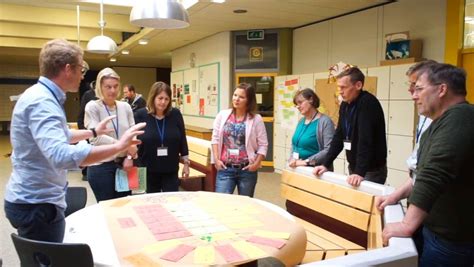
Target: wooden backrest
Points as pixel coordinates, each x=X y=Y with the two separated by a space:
x=199 y=151
x=340 y=209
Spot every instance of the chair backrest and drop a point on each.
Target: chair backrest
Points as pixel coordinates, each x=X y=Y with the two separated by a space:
x=76 y=199
x=199 y=151
x=35 y=253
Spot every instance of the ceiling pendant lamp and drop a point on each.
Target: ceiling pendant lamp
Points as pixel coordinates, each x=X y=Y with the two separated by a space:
x=159 y=14
x=101 y=44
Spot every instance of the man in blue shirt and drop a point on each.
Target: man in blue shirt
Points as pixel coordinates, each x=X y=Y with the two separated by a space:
x=42 y=150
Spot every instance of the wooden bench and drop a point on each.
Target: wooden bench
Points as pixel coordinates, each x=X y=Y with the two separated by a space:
x=202 y=175
x=339 y=220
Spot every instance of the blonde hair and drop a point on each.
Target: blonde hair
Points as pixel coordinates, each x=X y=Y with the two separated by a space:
x=103 y=74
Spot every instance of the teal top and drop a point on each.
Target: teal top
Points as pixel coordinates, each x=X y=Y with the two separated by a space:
x=304 y=139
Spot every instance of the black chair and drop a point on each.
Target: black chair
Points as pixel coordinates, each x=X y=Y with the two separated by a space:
x=76 y=198
x=33 y=253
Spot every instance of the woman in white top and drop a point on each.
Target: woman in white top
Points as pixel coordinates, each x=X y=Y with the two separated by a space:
x=102 y=177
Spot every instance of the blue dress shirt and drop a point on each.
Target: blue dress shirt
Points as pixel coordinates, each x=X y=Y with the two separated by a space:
x=41 y=150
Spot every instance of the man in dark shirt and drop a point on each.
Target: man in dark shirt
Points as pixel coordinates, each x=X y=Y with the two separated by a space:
x=86 y=97
x=441 y=198
x=360 y=131
x=135 y=100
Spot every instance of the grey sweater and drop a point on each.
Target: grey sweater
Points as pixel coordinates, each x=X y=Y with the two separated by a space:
x=325 y=132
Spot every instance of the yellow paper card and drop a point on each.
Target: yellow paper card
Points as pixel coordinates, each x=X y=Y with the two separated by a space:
x=120 y=202
x=204 y=255
x=173 y=199
x=223 y=236
x=250 y=209
x=270 y=234
x=291 y=88
x=141 y=259
x=249 y=249
x=246 y=224
x=160 y=246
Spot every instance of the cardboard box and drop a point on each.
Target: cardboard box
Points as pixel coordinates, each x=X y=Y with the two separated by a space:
x=403 y=49
x=399 y=61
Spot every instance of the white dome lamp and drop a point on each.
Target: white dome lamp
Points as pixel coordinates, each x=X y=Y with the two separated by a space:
x=101 y=44
x=159 y=14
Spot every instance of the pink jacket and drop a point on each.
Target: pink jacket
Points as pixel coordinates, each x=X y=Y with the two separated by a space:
x=256 y=141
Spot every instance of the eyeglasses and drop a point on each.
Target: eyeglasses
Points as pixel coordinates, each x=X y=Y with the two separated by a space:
x=410 y=84
x=418 y=89
x=300 y=102
x=84 y=70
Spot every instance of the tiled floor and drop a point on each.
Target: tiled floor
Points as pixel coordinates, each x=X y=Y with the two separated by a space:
x=268 y=189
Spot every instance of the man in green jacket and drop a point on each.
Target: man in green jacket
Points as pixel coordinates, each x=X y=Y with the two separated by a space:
x=442 y=197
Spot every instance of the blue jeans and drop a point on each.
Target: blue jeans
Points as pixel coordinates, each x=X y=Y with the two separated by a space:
x=228 y=179
x=43 y=222
x=440 y=252
x=102 y=181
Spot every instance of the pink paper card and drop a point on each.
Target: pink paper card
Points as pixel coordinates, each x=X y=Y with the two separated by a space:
x=267 y=241
x=126 y=222
x=173 y=235
x=161 y=229
x=177 y=253
x=229 y=253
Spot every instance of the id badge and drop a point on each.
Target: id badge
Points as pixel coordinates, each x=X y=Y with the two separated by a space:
x=162 y=152
x=233 y=152
x=347 y=145
x=296 y=155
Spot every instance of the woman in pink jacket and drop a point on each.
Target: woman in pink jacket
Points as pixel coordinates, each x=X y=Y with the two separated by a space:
x=239 y=143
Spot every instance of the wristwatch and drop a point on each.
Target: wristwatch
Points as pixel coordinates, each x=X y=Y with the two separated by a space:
x=307 y=162
x=94 y=133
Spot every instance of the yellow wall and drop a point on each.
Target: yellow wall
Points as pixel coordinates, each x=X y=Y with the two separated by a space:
x=141 y=78
x=468 y=65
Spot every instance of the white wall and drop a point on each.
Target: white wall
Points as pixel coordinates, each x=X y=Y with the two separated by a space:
x=216 y=48
x=359 y=38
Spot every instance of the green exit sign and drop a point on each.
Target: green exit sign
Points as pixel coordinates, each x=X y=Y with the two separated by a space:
x=255 y=35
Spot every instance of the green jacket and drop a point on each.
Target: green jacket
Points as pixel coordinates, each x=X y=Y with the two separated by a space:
x=444 y=185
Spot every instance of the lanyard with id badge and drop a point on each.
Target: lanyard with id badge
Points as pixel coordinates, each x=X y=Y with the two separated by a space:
x=347 y=128
x=161 y=151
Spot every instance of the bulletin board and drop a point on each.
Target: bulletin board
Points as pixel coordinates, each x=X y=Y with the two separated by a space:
x=196 y=91
x=284 y=99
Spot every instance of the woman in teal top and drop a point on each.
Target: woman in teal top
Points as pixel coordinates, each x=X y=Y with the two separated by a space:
x=313 y=133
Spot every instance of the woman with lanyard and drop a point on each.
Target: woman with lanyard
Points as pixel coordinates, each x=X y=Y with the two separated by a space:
x=313 y=134
x=164 y=141
x=239 y=143
x=102 y=177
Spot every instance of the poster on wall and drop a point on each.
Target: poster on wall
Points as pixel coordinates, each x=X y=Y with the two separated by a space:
x=176 y=88
x=208 y=89
x=195 y=91
x=288 y=113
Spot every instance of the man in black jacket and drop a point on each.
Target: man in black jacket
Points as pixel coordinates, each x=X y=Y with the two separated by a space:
x=135 y=100
x=360 y=131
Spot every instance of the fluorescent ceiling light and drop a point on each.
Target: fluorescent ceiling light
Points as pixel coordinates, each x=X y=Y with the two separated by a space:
x=159 y=14
x=143 y=41
x=218 y=1
x=125 y=52
x=112 y=59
